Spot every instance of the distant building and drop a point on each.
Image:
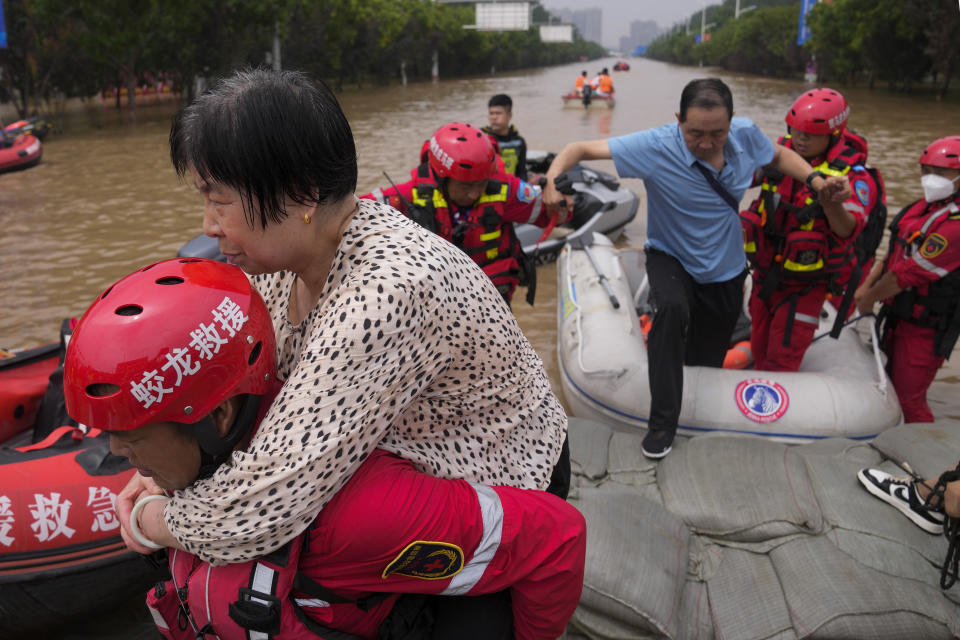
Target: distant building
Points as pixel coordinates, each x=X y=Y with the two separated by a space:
x=642 y=33
x=589 y=22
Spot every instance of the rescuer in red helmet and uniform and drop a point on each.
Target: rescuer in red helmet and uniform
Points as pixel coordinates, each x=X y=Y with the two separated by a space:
x=802 y=250
x=920 y=281
x=193 y=380
x=458 y=193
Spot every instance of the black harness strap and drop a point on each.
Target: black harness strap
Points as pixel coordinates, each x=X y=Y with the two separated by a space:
x=309 y=586
x=950 y=571
x=944 y=342
x=846 y=301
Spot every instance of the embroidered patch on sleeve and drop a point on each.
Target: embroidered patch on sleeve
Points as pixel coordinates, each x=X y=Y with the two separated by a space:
x=933 y=246
x=526 y=192
x=862 y=189
x=427 y=560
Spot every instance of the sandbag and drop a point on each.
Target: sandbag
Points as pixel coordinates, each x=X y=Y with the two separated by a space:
x=832 y=596
x=636 y=559
x=735 y=488
x=628 y=465
x=587 y=624
x=930 y=448
x=589 y=448
x=776 y=542
x=746 y=598
x=695 y=618
x=845 y=504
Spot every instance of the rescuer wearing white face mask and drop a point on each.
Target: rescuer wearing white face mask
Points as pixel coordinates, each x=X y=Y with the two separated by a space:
x=919 y=283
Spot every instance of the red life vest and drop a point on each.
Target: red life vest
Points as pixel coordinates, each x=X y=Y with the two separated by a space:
x=483 y=234
x=914 y=234
x=785 y=230
x=263 y=598
x=787 y=237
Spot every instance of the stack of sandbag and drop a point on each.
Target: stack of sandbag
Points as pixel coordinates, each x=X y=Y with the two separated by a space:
x=741 y=538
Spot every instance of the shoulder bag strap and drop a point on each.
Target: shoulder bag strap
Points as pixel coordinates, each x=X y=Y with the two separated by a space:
x=718 y=187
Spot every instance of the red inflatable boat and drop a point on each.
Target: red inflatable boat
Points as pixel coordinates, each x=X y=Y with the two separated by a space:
x=37 y=126
x=60 y=549
x=25 y=151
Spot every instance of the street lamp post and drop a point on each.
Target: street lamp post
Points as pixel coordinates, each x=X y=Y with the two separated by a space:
x=738 y=11
x=276 y=47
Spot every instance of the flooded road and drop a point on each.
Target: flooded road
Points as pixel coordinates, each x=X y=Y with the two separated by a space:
x=105 y=200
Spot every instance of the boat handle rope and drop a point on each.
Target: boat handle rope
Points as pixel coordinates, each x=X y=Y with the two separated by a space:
x=881 y=372
x=875 y=343
x=576 y=308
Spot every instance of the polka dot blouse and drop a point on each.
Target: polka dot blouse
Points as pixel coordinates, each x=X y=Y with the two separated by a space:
x=411 y=349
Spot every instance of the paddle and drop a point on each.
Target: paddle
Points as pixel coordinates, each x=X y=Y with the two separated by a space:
x=582 y=238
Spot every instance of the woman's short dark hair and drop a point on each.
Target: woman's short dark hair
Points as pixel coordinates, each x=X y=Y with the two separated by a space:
x=271 y=135
x=705 y=93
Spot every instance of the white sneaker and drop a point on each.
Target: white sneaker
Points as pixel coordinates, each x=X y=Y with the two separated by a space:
x=902 y=494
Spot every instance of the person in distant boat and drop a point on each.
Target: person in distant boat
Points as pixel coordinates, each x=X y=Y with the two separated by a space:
x=457 y=193
x=187 y=394
x=510 y=144
x=802 y=250
x=580 y=83
x=375 y=322
x=604 y=84
x=695 y=172
x=919 y=282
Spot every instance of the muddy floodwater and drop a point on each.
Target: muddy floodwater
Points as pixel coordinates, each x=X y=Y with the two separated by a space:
x=105 y=199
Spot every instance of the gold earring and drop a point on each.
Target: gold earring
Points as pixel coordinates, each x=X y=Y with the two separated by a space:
x=307 y=219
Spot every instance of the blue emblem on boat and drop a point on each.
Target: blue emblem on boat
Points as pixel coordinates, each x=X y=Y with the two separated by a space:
x=762 y=400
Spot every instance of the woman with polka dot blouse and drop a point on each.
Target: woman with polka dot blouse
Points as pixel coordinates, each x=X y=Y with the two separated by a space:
x=387 y=335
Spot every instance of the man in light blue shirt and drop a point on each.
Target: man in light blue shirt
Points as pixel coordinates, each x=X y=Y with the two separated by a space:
x=695 y=173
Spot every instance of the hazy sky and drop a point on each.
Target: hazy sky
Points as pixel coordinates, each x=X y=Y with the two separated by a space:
x=618 y=14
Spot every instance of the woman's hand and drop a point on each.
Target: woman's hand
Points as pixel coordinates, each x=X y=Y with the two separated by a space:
x=137 y=487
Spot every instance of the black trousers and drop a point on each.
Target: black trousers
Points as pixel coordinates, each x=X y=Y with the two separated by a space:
x=692 y=325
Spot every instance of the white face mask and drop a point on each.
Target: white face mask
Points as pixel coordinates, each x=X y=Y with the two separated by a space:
x=936 y=187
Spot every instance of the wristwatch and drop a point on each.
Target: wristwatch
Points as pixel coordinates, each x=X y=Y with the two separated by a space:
x=814 y=174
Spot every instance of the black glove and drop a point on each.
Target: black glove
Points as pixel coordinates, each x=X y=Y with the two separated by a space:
x=564 y=184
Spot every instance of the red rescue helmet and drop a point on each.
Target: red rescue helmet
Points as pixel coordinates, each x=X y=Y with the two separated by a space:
x=944 y=152
x=461 y=151
x=820 y=112
x=168 y=343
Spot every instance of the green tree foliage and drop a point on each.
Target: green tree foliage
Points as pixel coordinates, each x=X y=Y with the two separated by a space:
x=878 y=39
x=211 y=37
x=763 y=41
x=367 y=40
x=941 y=24
x=80 y=47
x=899 y=42
x=40 y=54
